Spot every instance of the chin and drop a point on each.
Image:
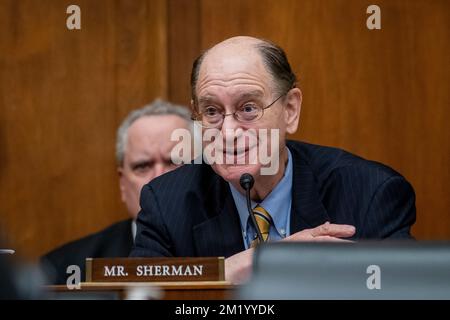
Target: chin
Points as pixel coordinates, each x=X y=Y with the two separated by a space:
x=232 y=173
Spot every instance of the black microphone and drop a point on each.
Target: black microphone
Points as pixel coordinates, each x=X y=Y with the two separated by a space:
x=246 y=181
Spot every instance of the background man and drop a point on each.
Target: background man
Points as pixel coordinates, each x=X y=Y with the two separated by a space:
x=143 y=152
x=318 y=193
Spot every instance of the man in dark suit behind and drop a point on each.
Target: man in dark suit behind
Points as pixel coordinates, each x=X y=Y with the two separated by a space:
x=241 y=87
x=142 y=152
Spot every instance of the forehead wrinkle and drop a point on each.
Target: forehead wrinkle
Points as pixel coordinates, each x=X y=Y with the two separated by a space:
x=139 y=146
x=240 y=95
x=223 y=80
x=207 y=92
x=139 y=154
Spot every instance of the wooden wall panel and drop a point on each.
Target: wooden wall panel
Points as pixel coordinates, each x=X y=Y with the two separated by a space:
x=62 y=95
x=383 y=94
x=184 y=46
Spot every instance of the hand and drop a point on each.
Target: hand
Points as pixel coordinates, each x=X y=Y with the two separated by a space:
x=327 y=232
x=239 y=266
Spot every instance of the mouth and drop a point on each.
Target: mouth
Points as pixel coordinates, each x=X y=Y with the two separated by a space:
x=235 y=152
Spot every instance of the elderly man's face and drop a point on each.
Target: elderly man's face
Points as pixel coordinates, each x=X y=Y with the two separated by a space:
x=147 y=155
x=230 y=77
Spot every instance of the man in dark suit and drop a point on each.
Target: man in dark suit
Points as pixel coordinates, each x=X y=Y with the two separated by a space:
x=315 y=193
x=142 y=152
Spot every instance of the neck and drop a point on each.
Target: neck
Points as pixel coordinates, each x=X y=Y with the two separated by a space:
x=265 y=184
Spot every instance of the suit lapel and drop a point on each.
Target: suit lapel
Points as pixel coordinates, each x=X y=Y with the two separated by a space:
x=307 y=209
x=220 y=234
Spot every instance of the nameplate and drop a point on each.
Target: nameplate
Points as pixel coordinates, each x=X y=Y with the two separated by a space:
x=154 y=269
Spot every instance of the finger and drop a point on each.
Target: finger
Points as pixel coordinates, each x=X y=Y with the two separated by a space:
x=307 y=237
x=334 y=230
x=329 y=239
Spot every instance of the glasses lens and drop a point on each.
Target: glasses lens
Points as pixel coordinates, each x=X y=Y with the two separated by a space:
x=211 y=117
x=249 y=113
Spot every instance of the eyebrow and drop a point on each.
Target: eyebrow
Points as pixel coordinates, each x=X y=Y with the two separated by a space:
x=245 y=95
x=206 y=99
x=135 y=164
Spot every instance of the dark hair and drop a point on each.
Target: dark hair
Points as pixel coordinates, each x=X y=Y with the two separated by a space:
x=194 y=75
x=274 y=59
x=278 y=65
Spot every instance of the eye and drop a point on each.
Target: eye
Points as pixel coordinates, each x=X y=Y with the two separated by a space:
x=211 y=111
x=143 y=167
x=248 y=112
x=249 y=108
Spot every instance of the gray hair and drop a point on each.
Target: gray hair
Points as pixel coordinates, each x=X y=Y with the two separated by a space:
x=156 y=108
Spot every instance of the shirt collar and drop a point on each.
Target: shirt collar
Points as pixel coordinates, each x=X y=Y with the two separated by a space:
x=277 y=202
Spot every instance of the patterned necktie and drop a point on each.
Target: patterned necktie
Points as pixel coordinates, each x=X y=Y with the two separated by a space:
x=264 y=221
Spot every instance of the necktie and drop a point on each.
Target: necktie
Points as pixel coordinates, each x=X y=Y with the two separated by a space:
x=264 y=220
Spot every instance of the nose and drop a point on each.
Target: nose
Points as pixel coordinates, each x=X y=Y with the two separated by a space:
x=160 y=169
x=231 y=132
x=229 y=125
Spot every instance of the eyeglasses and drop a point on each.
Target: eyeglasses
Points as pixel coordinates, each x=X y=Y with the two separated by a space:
x=213 y=117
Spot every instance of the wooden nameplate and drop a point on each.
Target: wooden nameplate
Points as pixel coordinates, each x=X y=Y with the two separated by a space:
x=154 y=269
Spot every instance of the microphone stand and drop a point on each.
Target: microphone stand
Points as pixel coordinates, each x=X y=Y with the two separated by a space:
x=246 y=182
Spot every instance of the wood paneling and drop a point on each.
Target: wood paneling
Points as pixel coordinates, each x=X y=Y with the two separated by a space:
x=62 y=95
x=383 y=94
x=184 y=46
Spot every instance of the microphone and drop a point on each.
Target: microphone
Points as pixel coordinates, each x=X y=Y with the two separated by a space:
x=246 y=181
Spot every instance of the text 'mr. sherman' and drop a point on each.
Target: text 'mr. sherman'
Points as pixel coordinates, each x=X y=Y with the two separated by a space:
x=154 y=269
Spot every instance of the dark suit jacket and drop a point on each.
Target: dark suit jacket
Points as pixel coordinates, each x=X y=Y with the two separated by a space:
x=191 y=212
x=114 y=241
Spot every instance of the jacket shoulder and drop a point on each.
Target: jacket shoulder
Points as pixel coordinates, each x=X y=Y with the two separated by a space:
x=188 y=178
x=93 y=244
x=330 y=162
x=113 y=241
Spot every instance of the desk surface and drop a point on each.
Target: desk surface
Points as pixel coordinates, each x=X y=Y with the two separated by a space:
x=192 y=290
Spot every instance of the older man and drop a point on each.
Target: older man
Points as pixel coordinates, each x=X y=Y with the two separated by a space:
x=143 y=152
x=316 y=194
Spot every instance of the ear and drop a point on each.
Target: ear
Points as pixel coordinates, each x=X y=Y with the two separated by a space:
x=292 y=110
x=121 y=183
